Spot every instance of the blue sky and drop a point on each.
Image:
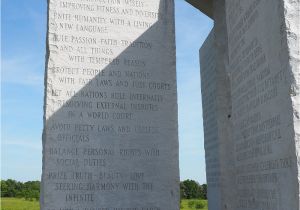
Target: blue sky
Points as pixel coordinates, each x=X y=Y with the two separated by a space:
x=23 y=32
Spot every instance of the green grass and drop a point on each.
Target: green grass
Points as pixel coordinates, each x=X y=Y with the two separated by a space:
x=22 y=204
x=18 y=204
x=193 y=205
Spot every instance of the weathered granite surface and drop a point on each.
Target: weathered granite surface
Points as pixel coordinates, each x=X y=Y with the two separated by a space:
x=257 y=42
x=210 y=121
x=224 y=110
x=264 y=111
x=216 y=122
x=110 y=139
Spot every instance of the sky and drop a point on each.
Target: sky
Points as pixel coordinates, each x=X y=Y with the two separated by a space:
x=23 y=34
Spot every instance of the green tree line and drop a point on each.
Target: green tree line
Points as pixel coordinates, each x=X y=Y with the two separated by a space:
x=189 y=189
x=14 y=189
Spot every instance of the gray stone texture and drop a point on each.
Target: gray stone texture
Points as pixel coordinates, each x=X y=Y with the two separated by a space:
x=216 y=103
x=258 y=44
x=210 y=121
x=262 y=77
x=110 y=139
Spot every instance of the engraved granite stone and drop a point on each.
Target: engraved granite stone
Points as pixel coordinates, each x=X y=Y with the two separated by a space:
x=210 y=121
x=263 y=65
x=216 y=105
x=258 y=43
x=110 y=139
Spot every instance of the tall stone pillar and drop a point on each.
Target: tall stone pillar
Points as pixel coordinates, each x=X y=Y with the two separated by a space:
x=257 y=46
x=263 y=66
x=110 y=139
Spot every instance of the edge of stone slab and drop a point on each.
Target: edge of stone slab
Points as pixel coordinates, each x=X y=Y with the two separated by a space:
x=291 y=11
x=47 y=56
x=205 y=6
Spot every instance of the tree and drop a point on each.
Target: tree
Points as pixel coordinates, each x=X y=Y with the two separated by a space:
x=28 y=190
x=204 y=190
x=182 y=191
x=191 y=189
x=11 y=188
x=4 y=189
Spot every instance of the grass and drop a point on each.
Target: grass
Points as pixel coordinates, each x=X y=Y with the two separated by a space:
x=18 y=204
x=193 y=205
x=22 y=204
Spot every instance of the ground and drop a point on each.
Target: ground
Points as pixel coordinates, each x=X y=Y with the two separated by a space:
x=18 y=204
x=21 y=204
x=193 y=205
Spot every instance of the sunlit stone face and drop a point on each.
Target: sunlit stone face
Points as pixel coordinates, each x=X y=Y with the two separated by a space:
x=110 y=138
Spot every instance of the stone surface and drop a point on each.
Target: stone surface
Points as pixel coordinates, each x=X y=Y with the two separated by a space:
x=257 y=43
x=110 y=139
x=263 y=109
x=216 y=122
x=210 y=121
x=224 y=109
